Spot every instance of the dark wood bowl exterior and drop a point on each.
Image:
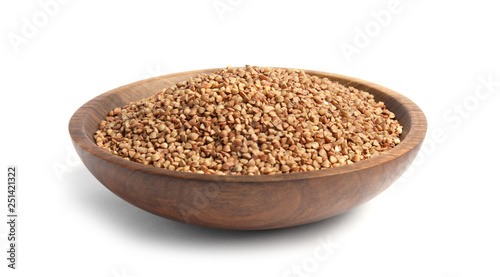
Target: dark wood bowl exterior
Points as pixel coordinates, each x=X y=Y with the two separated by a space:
x=244 y=202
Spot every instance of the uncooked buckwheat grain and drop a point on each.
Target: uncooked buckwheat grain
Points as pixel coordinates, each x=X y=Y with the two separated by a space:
x=251 y=121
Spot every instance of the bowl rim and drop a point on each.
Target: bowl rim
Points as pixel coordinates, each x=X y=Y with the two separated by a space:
x=416 y=134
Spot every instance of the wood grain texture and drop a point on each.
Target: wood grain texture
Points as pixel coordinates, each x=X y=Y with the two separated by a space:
x=245 y=202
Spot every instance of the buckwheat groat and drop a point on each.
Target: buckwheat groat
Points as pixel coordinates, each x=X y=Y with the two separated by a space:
x=251 y=121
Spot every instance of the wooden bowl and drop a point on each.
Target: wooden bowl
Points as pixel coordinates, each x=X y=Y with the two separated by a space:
x=244 y=202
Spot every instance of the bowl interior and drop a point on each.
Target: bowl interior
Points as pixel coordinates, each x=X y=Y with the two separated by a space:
x=83 y=127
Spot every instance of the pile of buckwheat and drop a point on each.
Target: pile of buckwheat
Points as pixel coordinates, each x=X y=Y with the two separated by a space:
x=251 y=121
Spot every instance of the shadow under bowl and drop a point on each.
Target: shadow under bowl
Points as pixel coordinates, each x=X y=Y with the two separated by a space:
x=245 y=202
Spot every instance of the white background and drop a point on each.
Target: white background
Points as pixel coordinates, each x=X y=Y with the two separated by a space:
x=441 y=219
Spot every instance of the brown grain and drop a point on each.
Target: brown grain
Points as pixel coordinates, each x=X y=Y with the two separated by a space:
x=251 y=121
